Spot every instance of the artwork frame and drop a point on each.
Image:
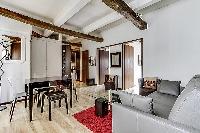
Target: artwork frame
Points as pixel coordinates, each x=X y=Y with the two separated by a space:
x=115 y=59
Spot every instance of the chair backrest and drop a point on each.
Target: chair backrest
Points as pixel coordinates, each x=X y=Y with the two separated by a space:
x=40 y=84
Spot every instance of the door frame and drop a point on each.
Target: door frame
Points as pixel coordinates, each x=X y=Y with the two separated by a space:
x=99 y=65
x=123 y=58
x=123 y=43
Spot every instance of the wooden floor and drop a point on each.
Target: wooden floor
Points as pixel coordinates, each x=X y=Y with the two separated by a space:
x=61 y=121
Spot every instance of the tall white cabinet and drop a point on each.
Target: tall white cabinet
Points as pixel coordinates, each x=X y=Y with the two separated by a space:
x=46 y=58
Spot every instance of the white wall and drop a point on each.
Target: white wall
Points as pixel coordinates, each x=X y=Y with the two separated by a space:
x=15 y=71
x=171 y=43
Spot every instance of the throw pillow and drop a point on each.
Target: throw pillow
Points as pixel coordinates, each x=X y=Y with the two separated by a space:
x=169 y=87
x=143 y=103
x=186 y=109
x=126 y=98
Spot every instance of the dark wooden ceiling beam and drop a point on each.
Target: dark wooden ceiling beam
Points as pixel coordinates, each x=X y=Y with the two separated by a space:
x=73 y=44
x=35 y=34
x=38 y=23
x=121 y=7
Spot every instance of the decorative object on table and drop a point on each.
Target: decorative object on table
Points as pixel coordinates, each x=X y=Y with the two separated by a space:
x=94 y=123
x=115 y=59
x=92 y=61
x=101 y=107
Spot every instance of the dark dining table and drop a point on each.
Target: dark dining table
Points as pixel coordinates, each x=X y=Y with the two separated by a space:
x=29 y=89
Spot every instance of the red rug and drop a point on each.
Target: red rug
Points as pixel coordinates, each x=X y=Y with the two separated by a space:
x=96 y=124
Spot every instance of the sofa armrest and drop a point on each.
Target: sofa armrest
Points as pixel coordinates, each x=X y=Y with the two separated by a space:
x=129 y=120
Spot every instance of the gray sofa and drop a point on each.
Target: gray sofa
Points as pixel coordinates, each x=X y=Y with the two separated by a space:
x=172 y=114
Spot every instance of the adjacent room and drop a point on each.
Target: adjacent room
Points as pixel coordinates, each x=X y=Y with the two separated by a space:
x=99 y=66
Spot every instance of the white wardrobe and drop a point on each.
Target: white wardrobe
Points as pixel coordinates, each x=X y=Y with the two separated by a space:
x=46 y=58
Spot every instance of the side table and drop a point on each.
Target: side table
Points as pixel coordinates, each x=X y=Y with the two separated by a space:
x=146 y=91
x=101 y=107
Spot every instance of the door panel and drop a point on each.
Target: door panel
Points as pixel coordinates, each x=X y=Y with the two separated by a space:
x=38 y=58
x=85 y=62
x=103 y=65
x=128 y=66
x=54 y=59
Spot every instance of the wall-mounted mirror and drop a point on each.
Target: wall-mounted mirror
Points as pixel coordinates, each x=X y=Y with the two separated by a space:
x=10 y=47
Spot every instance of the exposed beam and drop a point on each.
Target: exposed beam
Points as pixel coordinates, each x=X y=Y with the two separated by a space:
x=45 y=25
x=35 y=34
x=67 y=13
x=121 y=7
x=73 y=44
x=141 y=7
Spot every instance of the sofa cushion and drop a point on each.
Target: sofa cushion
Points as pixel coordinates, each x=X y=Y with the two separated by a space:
x=125 y=97
x=169 y=87
x=162 y=103
x=186 y=109
x=142 y=103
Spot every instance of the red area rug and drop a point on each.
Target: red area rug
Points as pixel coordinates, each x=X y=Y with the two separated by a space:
x=96 y=124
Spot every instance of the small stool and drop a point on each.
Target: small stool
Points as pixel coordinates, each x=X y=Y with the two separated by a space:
x=54 y=96
x=101 y=107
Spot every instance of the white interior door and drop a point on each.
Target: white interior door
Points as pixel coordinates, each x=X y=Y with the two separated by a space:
x=54 y=58
x=38 y=58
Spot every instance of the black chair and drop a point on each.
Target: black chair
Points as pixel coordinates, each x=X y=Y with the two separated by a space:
x=40 y=87
x=55 y=93
x=13 y=104
x=67 y=83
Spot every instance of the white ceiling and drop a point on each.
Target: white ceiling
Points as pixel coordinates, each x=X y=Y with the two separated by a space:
x=88 y=14
x=43 y=8
x=81 y=15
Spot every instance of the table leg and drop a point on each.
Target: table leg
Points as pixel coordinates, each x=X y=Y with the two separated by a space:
x=71 y=95
x=30 y=101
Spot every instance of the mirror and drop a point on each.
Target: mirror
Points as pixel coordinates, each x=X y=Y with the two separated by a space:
x=10 y=47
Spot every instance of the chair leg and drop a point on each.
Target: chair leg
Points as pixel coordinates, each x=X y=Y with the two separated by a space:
x=42 y=106
x=76 y=94
x=59 y=103
x=66 y=104
x=13 y=109
x=35 y=97
x=39 y=100
x=25 y=101
x=49 y=109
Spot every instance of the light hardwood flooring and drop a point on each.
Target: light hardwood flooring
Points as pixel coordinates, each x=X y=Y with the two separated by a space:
x=61 y=121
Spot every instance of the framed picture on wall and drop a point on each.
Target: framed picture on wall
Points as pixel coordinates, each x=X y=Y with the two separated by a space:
x=115 y=59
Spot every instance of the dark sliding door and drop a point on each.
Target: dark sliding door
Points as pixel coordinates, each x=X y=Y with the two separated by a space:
x=128 y=66
x=103 y=65
x=85 y=63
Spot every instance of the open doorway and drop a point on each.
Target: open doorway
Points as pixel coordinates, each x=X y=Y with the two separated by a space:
x=103 y=65
x=133 y=64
